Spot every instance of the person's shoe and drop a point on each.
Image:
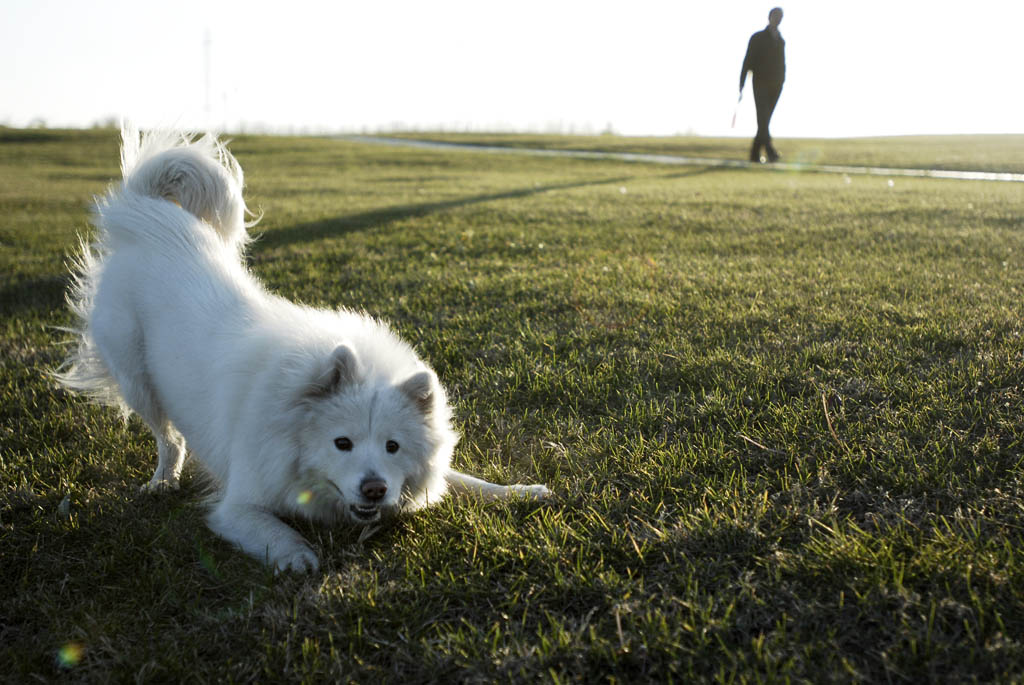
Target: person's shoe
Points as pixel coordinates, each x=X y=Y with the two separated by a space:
x=773 y=155
x=755 y=156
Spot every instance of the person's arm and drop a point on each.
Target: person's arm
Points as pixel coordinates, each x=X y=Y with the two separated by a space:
x=748 y=62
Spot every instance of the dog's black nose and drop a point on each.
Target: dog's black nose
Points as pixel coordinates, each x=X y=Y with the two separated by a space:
x=373 y=488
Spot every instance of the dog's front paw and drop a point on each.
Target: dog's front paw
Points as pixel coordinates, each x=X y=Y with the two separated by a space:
x=300 y=559
x=535 y=492
x=158 y=485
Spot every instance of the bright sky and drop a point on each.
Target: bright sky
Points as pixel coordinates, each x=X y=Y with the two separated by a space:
x=644 y=67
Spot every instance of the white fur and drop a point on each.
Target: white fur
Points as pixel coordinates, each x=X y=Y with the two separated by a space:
x=174 y=328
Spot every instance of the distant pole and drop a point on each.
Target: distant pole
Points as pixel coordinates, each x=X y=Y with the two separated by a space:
x=207 y=43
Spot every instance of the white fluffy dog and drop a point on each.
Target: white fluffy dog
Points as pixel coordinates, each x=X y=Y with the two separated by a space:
x=293 y=411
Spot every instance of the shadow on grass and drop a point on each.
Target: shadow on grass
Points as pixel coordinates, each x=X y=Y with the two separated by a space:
x=377 y=218
x=42 y=294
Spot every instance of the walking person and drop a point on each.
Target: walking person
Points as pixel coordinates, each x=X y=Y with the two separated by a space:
x=766 y=58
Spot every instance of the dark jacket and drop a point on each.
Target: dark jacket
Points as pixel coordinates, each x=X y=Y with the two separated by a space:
x=766 y=57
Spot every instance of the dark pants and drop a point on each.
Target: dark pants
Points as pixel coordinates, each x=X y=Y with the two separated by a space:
x=766 y=95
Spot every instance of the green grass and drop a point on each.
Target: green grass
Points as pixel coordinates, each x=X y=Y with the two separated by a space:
x=782 y=414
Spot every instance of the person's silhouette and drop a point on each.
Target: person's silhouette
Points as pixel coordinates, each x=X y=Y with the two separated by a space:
x=766 y=57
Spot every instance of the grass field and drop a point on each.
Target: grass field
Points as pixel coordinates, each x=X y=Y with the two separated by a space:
x=782 y=413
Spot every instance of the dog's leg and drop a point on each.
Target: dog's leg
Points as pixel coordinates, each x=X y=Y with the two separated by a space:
x=463 y=484
x=262 y=535
x=120 y=346
x=170 y=457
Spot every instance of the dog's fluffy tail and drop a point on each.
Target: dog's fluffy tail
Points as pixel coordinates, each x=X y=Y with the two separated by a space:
x=197 y=174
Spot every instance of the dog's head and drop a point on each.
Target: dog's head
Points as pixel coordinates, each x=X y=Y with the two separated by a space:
x=371 y=445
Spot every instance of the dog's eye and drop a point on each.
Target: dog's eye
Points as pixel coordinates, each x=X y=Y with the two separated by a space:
x=391 y=446
x=343 y=444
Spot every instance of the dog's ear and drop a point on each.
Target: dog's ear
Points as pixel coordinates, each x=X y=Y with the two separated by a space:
x=420 y=389
x=339 y=370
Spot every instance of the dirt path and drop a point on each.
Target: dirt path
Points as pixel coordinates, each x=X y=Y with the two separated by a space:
x=698 y=161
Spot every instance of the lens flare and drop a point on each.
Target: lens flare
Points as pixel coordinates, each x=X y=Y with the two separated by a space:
x=70 y=654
